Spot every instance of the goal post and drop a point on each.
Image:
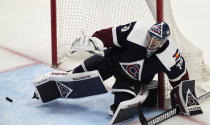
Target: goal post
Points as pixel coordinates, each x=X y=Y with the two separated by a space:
x=161 y=78
x=69 y=18
x=53 y=34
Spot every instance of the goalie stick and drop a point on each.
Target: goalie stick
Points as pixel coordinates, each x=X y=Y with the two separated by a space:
x=165 y=115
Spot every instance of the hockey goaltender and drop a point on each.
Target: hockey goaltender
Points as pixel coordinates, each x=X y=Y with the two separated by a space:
x=133 y=53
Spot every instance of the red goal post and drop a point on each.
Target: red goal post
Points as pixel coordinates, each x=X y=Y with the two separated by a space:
x=53 y=34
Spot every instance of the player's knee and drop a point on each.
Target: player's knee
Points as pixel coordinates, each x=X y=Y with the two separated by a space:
x=90 y=64
x=93 y=60
x=101 y=64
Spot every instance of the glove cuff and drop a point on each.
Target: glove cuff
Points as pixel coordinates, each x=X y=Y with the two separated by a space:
x=98 y=43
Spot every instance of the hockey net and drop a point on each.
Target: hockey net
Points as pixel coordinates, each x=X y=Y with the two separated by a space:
x=72 y=18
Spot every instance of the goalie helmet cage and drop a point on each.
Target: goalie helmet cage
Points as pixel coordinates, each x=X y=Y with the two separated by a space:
x=69 y=18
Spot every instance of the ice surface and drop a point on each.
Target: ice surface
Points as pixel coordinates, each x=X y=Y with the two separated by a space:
x=18 y=86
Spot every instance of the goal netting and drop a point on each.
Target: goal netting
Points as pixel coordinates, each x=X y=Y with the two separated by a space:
x=71 y=18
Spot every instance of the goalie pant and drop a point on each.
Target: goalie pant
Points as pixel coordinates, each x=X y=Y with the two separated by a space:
x=124 y=87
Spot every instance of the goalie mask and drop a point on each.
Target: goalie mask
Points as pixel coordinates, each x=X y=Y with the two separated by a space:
x=157 y=36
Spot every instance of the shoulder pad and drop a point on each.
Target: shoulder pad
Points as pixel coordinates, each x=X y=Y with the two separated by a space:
x=169 y=56
x=138 y=34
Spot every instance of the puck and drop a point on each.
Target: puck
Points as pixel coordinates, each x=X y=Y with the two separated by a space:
x=8 y=99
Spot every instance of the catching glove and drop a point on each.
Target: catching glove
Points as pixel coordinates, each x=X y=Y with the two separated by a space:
x=86 y=43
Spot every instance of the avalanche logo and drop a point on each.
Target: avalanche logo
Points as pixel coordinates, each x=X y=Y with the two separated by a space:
x=157 y=30
x=132 y=70
x=191 y=100
x=64 y=90
x=192 y=104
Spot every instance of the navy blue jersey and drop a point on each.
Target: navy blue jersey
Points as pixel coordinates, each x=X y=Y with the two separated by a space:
x=128 y=54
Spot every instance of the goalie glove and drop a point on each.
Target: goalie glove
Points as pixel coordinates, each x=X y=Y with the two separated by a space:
x=183 y=96
x=86 y=43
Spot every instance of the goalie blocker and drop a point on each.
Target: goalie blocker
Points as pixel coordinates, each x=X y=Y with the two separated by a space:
x=185 y=98
x=183 y=101
x=65 y=85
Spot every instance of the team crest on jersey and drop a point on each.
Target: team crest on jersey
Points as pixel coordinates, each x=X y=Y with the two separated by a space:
x=178 y=59
x=157 y=30
x=177 y=55
x=133 y=69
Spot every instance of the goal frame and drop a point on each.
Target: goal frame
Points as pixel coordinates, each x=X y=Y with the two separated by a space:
x=159 y=18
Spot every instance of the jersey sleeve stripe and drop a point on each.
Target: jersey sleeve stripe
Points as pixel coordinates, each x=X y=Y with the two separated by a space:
x=114 y=34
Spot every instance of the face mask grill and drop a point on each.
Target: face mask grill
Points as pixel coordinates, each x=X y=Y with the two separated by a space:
x=153 y=42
